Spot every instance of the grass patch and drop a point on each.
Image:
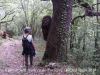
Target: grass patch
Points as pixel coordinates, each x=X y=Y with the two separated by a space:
x=17 y=37
x=40 y=47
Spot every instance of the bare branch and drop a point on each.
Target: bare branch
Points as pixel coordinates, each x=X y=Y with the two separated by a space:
x=88 y=12
x=8 y=21
x=76 y=18
x=8 y=13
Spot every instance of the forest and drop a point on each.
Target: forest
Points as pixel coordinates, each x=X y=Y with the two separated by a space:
x=66 y=34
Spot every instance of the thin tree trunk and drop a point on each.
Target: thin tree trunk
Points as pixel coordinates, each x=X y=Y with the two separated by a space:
x=96 y=44
x=56 y=47
x=96 y=39
x=84 y=45
x=6 y=26
x=0 y=26
x=25 y=12
x=72 y=38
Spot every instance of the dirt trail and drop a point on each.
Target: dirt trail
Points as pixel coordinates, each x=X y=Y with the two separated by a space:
x=11 y=61
x=10 y=57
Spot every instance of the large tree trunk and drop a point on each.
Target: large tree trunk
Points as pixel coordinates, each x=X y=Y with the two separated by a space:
x=56 y=47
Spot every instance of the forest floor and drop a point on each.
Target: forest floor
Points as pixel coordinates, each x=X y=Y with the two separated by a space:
x=11 y=60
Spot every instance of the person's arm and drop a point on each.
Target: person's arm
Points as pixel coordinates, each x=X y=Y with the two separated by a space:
x=33 y=45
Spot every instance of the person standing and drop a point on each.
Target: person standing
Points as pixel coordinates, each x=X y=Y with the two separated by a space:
x=28 y=46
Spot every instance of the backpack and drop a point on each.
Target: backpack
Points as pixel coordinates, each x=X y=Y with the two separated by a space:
x=25 y=42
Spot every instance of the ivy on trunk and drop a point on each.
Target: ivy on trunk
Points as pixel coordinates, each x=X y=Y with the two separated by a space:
x=57 y=42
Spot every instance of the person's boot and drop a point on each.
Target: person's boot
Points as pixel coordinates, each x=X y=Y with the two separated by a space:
x=26 y=68
x=31 y=61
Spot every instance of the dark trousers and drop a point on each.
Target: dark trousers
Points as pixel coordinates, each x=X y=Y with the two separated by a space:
x=26 y=60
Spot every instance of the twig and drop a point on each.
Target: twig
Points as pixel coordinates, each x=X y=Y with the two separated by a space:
x=76 y=18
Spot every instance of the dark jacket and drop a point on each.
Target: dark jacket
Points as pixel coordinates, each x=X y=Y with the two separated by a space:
x=30 y=50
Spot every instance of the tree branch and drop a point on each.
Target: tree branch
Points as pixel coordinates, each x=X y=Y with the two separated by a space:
x=88 y=12
x=76 y=18
x=8 y=13
x=8 y=21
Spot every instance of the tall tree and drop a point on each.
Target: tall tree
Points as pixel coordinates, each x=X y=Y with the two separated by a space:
x=97 y=53
x=57 y=42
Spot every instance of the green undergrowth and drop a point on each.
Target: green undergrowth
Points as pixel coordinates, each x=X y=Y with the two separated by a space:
x=40 y=47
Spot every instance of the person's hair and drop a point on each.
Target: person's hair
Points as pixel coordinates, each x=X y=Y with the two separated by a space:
x=27 y=30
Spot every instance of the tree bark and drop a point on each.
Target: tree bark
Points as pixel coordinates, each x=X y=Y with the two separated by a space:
x=0 y=26
x=97 y=52
x=97 y=33
x=56 y=47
